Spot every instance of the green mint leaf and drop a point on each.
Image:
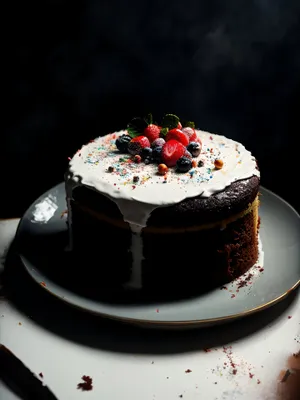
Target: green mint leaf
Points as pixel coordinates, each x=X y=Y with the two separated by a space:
x=170 y=121
x=137 y=125
x=132 y=132
x=163 y=132
x=149 y=119
x=189 y=124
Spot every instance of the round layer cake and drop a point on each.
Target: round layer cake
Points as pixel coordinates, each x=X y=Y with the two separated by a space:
x=138 y=223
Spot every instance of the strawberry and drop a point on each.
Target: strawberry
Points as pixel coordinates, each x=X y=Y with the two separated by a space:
x=152 y=132
x=179 y=126
x=191 y=134
x=171 y=152
x=136 y=144
x=178 y=135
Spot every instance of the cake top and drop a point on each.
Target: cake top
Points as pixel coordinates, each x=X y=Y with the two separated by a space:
x=159 y=165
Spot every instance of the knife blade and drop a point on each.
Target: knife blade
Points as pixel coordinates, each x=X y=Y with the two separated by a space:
x=20 y=379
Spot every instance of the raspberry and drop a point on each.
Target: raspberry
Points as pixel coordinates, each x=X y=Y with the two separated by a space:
x=171 y=152
x=178 y=135
x=136 y=145
x=191 y=134
x=158 y=143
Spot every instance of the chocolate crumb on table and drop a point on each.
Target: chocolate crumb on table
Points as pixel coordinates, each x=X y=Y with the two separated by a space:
x=86 y=385
x=41 y=375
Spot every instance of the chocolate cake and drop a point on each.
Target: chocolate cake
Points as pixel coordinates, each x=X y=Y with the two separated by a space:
x=159 y=207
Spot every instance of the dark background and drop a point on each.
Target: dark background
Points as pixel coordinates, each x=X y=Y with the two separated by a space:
x=74 y=71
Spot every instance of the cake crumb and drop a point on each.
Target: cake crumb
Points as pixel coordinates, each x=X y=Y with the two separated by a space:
x=207 y=350
x=41 y=375
x=86 y=385
x=188 y=371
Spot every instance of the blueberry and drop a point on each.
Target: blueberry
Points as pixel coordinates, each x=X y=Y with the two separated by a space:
x=122 y=143
x=146 y=153
x=187 y=154
x=184 y=164
x=147 y=160
x=194 y=148
x=156 y=154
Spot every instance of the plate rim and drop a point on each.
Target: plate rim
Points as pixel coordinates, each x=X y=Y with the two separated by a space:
x=147 y=322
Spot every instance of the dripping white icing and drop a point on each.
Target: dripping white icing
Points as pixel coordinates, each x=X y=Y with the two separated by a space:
x=135 y=281
x=136 y=201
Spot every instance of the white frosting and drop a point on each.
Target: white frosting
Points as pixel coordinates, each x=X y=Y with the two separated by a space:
x=136 y=201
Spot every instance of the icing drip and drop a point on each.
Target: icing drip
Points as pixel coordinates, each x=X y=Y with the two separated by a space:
x=136 y=201
x=135 y=281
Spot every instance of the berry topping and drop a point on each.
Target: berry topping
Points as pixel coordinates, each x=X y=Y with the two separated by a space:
x=110 y=169
x=152 y=132
x=157 y=154
x=146 y=153
x=136 y=179
x=187 y=154
x=218 y=164
x=200 y=163
x=179 y=126
x=136 y=126
x=162 y=169
x=178 y=135
x=136 y=144
x=184 y=164
x=158 y=143
x=170 y=121
x=171 y=152
x=191 y=134
x=194 y=148
x=194 y=163
x=137 y=158
x=122 y=143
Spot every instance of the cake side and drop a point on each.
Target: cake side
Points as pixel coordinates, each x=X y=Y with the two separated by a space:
x=188 y=213
x=198 y=258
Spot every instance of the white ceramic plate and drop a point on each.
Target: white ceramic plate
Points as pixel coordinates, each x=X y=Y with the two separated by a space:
x=267 y=284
